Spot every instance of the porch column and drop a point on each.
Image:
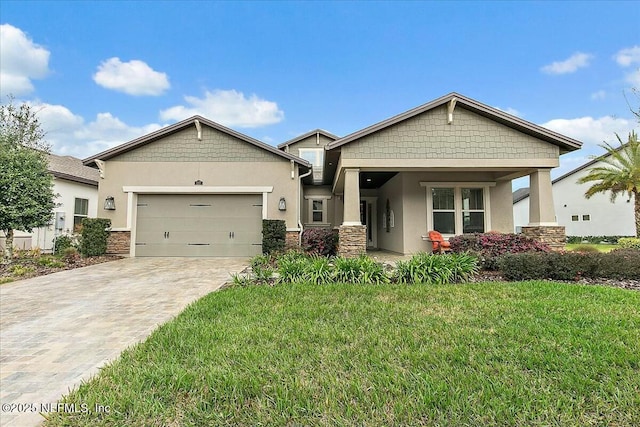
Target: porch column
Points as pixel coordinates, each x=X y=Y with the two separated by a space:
x=542 y=218
x=352 y=237
x=541 y=210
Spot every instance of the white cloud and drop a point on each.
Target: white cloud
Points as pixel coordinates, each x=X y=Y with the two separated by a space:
x=569 y=65
x=628 y=56
x=134 y=77
x=69 y=134
x=592 y=131
x=601 y=94
x=633 y=78
x=21 y=60
x=229 y=108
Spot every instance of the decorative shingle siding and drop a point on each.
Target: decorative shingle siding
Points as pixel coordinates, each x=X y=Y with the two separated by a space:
x=184 y=146
x=429 y=136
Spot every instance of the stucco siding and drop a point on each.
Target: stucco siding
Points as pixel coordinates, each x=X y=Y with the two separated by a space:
x=212 y=174
x=470 y=136
x=184 y=146
x=501 y=202
x=392 y=240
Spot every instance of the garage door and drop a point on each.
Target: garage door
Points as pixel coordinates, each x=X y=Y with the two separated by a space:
x=199 y=225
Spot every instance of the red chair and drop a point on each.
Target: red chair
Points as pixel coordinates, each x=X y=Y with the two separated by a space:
x=439 y=245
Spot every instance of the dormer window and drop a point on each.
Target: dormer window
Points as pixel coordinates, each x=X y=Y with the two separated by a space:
x=315 y=156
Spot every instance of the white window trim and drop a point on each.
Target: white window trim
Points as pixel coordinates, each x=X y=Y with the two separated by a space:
x=325 y=204
x=457 y=187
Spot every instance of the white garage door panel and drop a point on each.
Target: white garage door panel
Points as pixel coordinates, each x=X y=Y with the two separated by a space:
x=199 y=225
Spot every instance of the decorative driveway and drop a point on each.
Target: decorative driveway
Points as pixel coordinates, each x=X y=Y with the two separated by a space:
x=59 y=329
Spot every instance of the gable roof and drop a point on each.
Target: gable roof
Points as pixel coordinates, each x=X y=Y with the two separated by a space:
x=72 y=169
x=168 y=130
x=565 y=143
x=523 y=193
x=307 y=135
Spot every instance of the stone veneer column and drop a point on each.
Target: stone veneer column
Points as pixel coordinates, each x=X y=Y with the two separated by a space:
x=119 y=243
x=291 y=240
x=554 y=236
x=352 y=235
x=352 y=240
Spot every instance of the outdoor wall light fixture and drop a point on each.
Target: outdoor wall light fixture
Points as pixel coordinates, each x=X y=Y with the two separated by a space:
x=282 y=204
x=109 y=204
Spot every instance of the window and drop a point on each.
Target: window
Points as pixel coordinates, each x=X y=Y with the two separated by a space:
x=315 y=156
x=586 y=217
x=574 y=218
x=472 y=210
x=457 y=208
x=80 y=211
x=317 y=209
x=444 y=213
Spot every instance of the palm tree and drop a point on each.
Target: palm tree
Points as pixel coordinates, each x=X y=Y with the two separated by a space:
x=620 y=173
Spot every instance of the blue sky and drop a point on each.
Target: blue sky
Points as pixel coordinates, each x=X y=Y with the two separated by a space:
x=102 y=73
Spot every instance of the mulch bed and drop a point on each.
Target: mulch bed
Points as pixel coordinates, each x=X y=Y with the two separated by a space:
x=41 y=270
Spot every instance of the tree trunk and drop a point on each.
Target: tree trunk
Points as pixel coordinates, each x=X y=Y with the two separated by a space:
x=636 y=197
x=8 y=245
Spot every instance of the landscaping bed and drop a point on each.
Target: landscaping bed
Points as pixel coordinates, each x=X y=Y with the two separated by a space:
x=33 y=266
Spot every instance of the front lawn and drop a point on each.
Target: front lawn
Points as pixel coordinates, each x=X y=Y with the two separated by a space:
x=516 y=354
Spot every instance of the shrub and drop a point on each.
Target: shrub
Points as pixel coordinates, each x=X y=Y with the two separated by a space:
x=21 y=270
x=273 y=236
x=63 y=242
x=490 y=246
x=262 y=268
x=436 y=269
x=629 y=243
x=617 y=264
x=320 y=241
x=319 y=271
x=94 y=234
x=70 y=255
x=523 y=266
x=359 y=270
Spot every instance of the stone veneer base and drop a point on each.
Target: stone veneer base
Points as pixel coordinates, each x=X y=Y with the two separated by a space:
x=119 y=242
x=352 y=240
x=291 y=240
x=554 y=236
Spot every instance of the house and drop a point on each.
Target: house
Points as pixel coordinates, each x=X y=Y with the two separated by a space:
x=76 y=187
x=197 y=188
x=580 y=216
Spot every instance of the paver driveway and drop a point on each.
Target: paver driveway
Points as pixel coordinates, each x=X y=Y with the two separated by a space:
x=58 y=329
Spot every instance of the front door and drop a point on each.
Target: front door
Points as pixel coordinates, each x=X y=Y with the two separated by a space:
x=368 y=218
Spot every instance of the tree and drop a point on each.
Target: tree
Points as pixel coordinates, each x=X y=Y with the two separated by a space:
x=620 y=173
x=26 y=187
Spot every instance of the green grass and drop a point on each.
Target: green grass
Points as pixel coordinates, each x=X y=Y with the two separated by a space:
x=501 y=354
x=598 y=247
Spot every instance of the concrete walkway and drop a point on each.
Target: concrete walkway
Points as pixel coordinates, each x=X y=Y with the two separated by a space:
x=59 y=329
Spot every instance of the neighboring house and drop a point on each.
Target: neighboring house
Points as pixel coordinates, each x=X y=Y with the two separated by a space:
x=580 y=216
x=77 y=188
x=196 y=188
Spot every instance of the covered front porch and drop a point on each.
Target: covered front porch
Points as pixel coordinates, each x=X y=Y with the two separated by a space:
x=391 y=210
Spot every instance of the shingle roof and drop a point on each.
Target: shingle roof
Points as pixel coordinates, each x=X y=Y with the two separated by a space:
x=520 y=193
x=565 y=143
x=168 y=130
x=72 y=169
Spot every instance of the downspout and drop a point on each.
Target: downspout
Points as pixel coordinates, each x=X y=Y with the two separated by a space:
x=299 y=204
